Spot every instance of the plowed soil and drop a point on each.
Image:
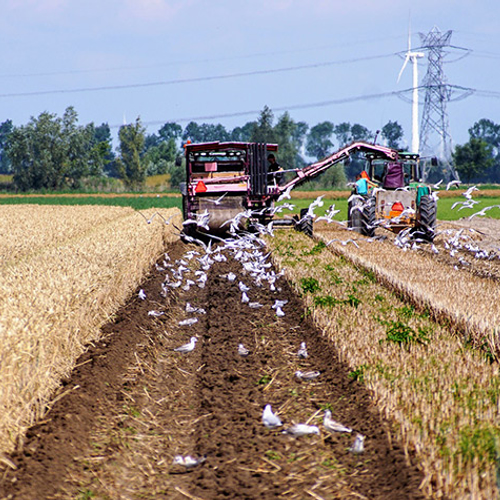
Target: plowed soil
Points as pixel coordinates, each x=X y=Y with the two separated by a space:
x=133 y=403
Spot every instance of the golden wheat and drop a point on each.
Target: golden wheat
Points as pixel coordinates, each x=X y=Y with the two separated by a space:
x=80 y=265
x=442 y=396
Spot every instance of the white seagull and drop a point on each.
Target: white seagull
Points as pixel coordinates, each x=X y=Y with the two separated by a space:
x=332 y=426
x=187 y=347
x=358 y=445
x=302 y=352
x=188 y=461
x=298 y=430
x=307 y=376
x=269 y=419
x=142 y=294
x=242 y=350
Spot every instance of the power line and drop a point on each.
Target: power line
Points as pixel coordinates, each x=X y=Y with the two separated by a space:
x=280 y=108
x=198 y=61
x=194 y=80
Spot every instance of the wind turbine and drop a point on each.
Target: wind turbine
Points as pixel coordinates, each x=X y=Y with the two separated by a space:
x=413 y=57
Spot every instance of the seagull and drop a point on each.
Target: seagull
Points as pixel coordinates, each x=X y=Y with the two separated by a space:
x=332 y=426
x=187 y=347
x=243 y=287
x=269 y=419
x=242 y=350
x=279 y=312
x=328 y=217
x=156 y=313
x=298 y=430
x=218 y=200
x=188 y=461
x=307 y=376
x=302 y=352
x=147 y=220
x=188 y=322
x=190 y=309
x=436 y=186
x=244 y=298
x=358 y=445
x=279 y=303
x=285 y=194
x=142 y=294
x=166 y=221
x=452 y=183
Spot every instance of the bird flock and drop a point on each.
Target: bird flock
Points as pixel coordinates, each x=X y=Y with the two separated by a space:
x=249 y=250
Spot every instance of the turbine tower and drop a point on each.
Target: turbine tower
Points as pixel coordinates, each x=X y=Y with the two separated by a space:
x=413 y=57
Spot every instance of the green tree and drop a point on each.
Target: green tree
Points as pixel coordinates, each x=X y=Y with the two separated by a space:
x=392 y=132
x=5 y=129
x=343 y=134
x=243 y=134
x=360 y=133
x=51 y=152
x=319 y=143
x=159 y=158
x=472 y=158
x=263 y=129
x=130 y=166
x=169 y=131
x=489 y=132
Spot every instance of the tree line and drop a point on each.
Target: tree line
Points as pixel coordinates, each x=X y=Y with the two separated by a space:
x=54 y=153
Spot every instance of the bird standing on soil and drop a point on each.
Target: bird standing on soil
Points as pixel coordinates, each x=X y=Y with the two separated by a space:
x=307 y=376
x=188 y=461
x=302 y=352
x=358 y=445
x=242 y=350
x=333 y=426
x=298 y=430
x=269 y=419
x=187 y=347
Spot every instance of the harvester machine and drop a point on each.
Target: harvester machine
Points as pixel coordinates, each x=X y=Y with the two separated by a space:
x=229 y=186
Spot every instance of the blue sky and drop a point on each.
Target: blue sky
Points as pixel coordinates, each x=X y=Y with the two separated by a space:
x=173 y=60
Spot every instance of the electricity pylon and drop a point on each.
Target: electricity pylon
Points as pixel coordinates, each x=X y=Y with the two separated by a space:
x=435 y=137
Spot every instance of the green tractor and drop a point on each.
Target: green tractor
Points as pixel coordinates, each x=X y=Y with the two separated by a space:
x=389 y=195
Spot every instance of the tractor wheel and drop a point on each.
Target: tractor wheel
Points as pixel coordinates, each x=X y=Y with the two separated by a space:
x=184 y=207
x=355 y=217
x=305 y=223
x=428 y=217
x=368 y=218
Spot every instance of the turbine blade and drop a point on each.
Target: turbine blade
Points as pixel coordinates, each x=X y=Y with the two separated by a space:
x=407 y=58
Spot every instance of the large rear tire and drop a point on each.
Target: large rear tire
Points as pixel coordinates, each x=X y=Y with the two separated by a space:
x=427 y=218
x=368 y=218
x=305 y=223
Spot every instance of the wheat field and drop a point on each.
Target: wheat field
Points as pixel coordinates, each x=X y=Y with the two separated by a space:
x=64 y=271
x=442 y=396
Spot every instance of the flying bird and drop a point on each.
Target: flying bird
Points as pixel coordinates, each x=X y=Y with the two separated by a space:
x=187 y=347
x=188 y=322
x=285 y=194
x=218 y=201
x=452 y=183
x=142 y=294
x=269 y=419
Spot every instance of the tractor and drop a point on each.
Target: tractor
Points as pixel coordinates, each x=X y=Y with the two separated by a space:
x=229 y=184
x=393 y=199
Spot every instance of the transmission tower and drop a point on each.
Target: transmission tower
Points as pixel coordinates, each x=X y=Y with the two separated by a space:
x=435 y=137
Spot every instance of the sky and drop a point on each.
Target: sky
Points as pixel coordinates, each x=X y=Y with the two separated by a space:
x=222 y=61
